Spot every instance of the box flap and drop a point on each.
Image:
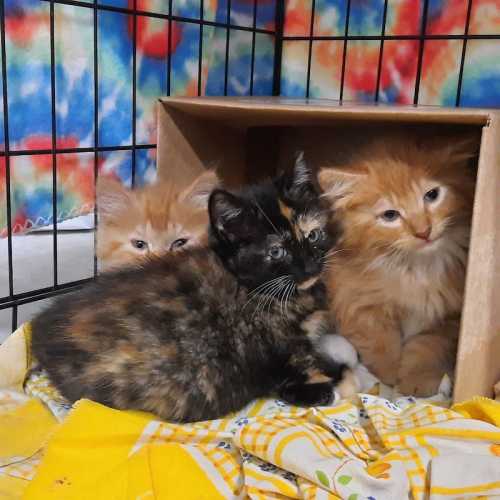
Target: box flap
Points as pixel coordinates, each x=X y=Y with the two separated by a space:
x=278 y=110
x=478 y=360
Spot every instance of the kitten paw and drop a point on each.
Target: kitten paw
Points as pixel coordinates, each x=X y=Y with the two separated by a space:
x=339 y=349
x=319 y=394
x=421 y=384
x=349 y=385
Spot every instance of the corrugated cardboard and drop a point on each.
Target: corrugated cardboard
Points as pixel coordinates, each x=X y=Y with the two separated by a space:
x=248 y=138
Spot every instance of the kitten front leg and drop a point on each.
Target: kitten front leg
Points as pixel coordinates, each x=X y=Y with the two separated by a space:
x=320 y=394
x=321 y=332
x=377 y=338
x=427 y=357
x=312 y=379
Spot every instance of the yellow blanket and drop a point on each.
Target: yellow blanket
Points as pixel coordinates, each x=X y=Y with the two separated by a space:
x=368 y=448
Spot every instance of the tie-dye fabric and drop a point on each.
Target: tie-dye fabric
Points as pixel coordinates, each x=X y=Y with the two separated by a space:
x=28 y=64
x=398 y=65
x=28 y=57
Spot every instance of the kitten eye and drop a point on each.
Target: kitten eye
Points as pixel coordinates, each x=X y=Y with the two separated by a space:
x=315 y=235
x=390 y=215
x=178 y=243
x=277 y=252
x=431 y=195
x=139 y=244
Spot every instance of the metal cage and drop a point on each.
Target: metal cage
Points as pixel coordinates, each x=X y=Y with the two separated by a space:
x=13 y=300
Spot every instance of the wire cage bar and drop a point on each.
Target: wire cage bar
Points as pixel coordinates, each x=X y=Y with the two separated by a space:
x=12 y=300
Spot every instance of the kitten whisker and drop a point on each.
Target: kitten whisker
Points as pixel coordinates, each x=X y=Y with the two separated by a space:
x=275 y=295
x=263 y=287
x=267 y=283
x=281 y=299
x=289 y=284
x=292 y=290
x=267 y=299
x=329 y=258
x=269 y=291
x=284 y=289
x=332 y=252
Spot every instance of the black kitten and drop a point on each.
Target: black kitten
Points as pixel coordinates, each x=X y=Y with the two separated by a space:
x=201 y=333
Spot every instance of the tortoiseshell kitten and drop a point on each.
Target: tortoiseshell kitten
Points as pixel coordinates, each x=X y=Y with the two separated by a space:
x=198 y=334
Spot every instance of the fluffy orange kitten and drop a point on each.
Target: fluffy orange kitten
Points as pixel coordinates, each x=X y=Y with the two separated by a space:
x=397 y=279
x=135 y=223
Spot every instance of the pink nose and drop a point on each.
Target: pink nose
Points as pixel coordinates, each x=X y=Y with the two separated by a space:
x=424 y=234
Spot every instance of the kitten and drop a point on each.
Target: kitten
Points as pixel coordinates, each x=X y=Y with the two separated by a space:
x=195 y=335
x=397 y=279
x=135 y=223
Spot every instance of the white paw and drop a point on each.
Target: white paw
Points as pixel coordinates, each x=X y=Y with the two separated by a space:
x=349 y=385
x=365 y=378
x=339 y=349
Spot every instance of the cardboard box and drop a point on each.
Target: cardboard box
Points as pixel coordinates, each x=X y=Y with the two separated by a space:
x=248 y=138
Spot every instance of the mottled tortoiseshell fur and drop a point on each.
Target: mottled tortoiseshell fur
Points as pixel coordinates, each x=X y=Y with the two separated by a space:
x=183 y=337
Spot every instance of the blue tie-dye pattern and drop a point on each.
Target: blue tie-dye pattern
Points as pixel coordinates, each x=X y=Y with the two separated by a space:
x=263 y=66
x=115 y=81
x=29 y=89
x=78 y=119
x=221 y=13
x=35 y=105
x=266 y=12
x=292 y=89
x=186 y=51
x=241 y=13
x=190 y=9
x=389 y=94
x=365 y=17
x=340 y=9
x=481 y=91
x=435 y=9
x=14 y=5
x=114 y=3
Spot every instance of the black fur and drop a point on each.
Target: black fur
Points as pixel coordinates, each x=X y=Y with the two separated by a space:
x=198 y=334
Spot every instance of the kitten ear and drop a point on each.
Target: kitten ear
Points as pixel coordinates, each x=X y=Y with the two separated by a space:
x=298 y=182
x=337 y=183
x=199 y=191
x=302 y=175
x=113 y=198
x=228 y=215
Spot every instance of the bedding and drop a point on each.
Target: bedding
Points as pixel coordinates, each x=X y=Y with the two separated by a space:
x=365 y=448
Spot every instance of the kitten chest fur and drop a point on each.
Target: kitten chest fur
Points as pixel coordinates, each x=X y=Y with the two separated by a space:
x=416 y=294
x=426 y=294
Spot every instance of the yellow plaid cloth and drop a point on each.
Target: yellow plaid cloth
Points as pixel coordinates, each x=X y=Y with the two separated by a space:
x=368 y=448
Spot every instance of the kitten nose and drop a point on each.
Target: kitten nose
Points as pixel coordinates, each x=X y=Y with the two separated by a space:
x=424 y=234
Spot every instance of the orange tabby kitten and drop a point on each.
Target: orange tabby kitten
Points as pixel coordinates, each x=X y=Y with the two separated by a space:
x=135 y=223
x=397 y=279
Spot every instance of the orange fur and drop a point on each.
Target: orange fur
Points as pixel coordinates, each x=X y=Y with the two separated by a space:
x=390 y=281
x=156 y=214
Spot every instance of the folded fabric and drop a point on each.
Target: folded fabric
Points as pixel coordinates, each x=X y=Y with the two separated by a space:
x=366 y=449
x=480 y=408
x=465 y=476
x=25 y=423
x=15 y=358
x=25 y=427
